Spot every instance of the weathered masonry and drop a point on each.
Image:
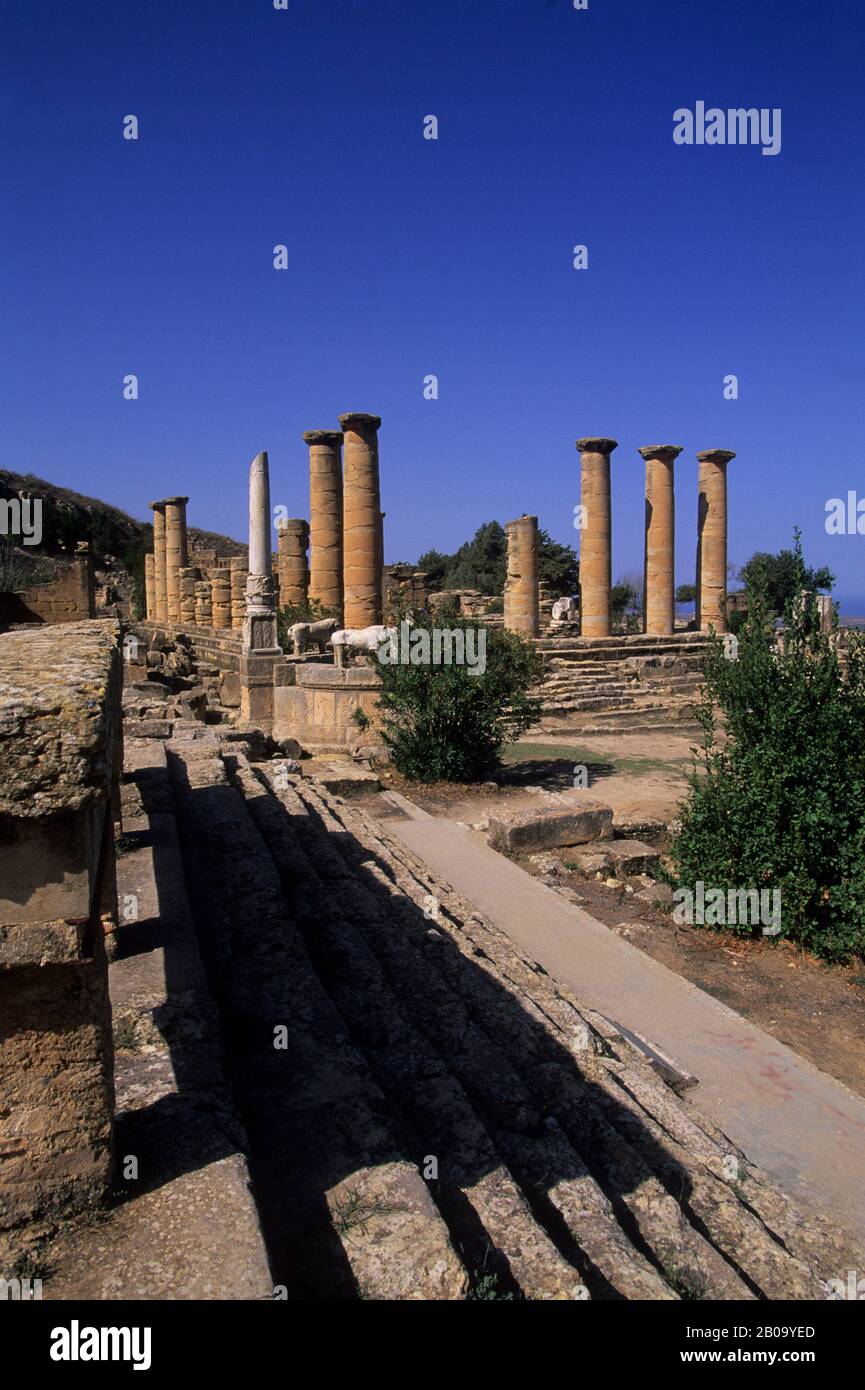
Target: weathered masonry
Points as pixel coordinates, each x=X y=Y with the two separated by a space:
x=60 y=733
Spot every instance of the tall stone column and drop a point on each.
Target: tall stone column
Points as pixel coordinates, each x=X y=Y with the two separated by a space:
x=659 y=600
x=325 y=517
x=176 y=552
x=361 y=521
x=149 y=588
x=712 y=539
x=596 y=578
x=160 y=590
x=522 y=611
x=259 y=631
x=220 y=586
x=238 y=571
x=291 y=545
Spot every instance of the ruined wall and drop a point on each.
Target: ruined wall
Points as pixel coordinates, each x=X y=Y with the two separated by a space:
x=60 y=745
x=67 y=598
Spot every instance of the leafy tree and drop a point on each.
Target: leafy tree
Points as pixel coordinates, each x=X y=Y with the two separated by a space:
x=686 y=593
x=443 y=723
x=781 y=804
x=481 y=563
x=780 y=577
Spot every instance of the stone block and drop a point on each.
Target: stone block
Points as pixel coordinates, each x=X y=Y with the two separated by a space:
x=548 y=828
x=628 y=857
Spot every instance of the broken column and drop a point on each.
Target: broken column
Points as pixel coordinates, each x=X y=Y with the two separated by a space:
x=160 y=591
x=521 y=601
x=220 y=585
x=176 y=552
x=712 y=539
x=659 y=610
x=292 y=542
x=595 y=537
x=149 y=589
x=361 y=521
x=187 y=578
x=238 y=571
x=203 y=603
x=325 y=518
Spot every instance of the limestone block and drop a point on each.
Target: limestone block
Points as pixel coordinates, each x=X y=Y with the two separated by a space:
x=546 y=828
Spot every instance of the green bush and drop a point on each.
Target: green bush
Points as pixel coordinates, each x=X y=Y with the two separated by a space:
x=782 y=804
x=442 y=723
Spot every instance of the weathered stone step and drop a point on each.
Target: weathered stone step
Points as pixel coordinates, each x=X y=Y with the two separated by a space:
x=431 y=1105
x=341 y=1205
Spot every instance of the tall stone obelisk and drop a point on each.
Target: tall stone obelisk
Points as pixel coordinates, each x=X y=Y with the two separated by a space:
x=260 y=651
x=259 y=628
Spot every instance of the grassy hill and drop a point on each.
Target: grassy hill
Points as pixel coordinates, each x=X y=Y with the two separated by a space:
x=69 y=517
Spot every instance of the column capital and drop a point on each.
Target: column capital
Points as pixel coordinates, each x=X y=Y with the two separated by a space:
x=597 y=446
x=155 y=506
x=665 y=452
x=333 y=438
x=715 y=456
x=357 y=420
x=173 y=502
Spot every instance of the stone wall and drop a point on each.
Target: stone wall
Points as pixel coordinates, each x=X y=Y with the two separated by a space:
x=67 y=598
x=60 y=745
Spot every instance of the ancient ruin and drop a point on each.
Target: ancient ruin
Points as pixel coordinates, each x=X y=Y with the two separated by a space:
x=336 y=1075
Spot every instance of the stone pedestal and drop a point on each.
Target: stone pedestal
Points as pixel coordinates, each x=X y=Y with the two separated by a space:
x=176 y=552
x=521 y=600
x=659 y=602
x=712 y=539
x=361 y=521
x=160 y=583
x=291 y=545
x=325 y=518
x=238 y=572
x=596 y=537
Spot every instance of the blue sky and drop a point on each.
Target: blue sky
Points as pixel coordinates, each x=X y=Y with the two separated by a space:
x=454 y=257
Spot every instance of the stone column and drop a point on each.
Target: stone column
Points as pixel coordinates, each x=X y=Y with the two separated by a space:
x=522 y=613
x=659 y=602
x=220 y=585
x=176 y=553
x=187 y=578
x=238 y=570
x=203 y=603
x=325 y=518
x=259 y=630
x=361 y=521
x=149 y=588
x=292 y=542
x=596 y=578
x=159 y=578
x=712 y=539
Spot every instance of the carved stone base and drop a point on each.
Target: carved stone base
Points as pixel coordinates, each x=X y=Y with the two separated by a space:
x=259 y=634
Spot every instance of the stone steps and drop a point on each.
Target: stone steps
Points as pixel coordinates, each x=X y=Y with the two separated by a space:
x=442 y=1113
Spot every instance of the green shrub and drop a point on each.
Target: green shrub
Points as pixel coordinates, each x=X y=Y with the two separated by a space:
x=782 y=804
x=443 y=723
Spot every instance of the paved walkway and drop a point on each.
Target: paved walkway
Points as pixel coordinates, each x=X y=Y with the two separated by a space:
x=804 y=1128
